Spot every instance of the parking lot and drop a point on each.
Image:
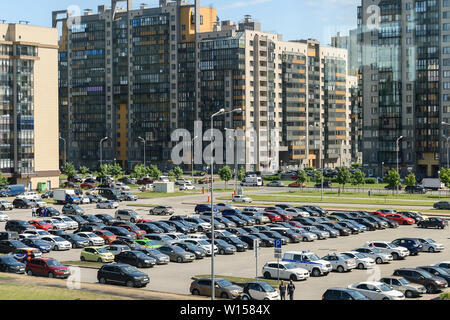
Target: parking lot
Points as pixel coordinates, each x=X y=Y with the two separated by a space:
x=176 y=277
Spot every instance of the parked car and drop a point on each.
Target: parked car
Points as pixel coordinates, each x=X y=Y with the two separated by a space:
x=199 y=253
x=127 y=215
x=94 y=240
x=438 y=272
x=431 y=282
x=119 y=273
x=108 y=204
x=412 y=244
x=49 y=267
x=117 y=248
x=155 y=254
x=362 y=260
x=18 y=226
x=259 y=290
x=162 y=210
x=11 y=265
x=105 y=218
x=415 y=189
x=396 y=251
x=284 y=270
x=106 y=235
x=41 y=225
x=222 y=288
x=76 y=240
x=72 y=209
x=340 y=262
x=177 y=254
x=444 y=265
x=376 y=290
x=121 y=232
x=376 y=254
x=23 y=203
x=442 y=205
x=343 y=294
x=96 y=254
x=57 y=243
x=38 y=243
x=429 y=245
x=5 y=205
x=135 y=258
x=241 y=199
x=275 y=184
x=433 y=223
x=409 y=289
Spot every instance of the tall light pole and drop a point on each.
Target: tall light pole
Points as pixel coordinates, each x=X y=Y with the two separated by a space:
x=145 y=142
x=398 y=149
x=220 y=112
x=235 y=158
x=192 y=158
x=101 y=149
x=447 y=124
x=65 y=150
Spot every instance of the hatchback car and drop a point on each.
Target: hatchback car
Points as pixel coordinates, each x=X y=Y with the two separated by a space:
x=284 y=270
x=135 y=258
x=11 y=265
x=258 y=290
x=340 y=262
x=96 y=254
x=429 y=245
x=222 y=288
x=125 y=274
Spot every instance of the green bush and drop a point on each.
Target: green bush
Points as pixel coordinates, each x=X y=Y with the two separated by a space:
x=272 y=178
x=445 y=296
x=371 y=180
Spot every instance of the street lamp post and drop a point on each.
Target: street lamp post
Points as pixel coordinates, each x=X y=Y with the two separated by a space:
x=143 y=140
x=398 y=149
x=192 y=158
x=447 y=124
x=65 y=150
x=220 y=112
x=101 y=149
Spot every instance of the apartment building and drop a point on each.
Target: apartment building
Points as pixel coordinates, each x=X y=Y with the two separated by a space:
x=29 y=105
x=405 y=51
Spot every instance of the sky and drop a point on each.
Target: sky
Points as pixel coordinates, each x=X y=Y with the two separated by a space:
x=294 y=19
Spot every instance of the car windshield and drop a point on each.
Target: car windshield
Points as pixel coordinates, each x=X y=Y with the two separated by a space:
x=54 y=263
x=59 y=239
x=129 y=269
x=403 y=281
x=376 y=250
x=224 y=283
x=392 y=245
x=357 y=295
x=429 y=240
x=313 y=257
x=178 y=249
x=290 y=266
x=7 y=259
x=203 y=242
x=266 y=287
x=102 y=250
x=383 y=287
x=360 y=255
x=220 y=242
x=442 y=271
x=426 y=274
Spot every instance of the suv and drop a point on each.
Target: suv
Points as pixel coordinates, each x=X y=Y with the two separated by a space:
x=309 y=261
x=415 y=189
x=47 y=267
x=18 y=225
x=433 y=223
x=343 y=294
x=223 y=288
x=396 y=251
x=127 y=215
x=23 y=203
x=284 y=270
x=432 y=283
x=122 y=273
x=412 y=244
x=162 y=210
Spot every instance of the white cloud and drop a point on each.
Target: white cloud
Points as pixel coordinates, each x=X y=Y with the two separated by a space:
x=240 y=4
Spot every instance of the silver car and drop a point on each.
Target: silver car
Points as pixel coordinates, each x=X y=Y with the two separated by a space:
x=376 y=254
x=409 y=289
x=362 y=260
x=3 y=217
x=340 y=262
x=108 y=204
x=306 y=235
x=429 y=245
x=320 y=234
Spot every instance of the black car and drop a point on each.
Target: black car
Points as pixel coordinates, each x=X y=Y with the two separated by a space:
x=178 y=226
x=7 y=246
x=105 y=218
x=442 y=205
x=412 y=244
x=11 y=265
x=248 y=239
x=200 y=253
x=433 y=223
x=18 y=226
x=119 y=231
x=369 y=225
x=149 y=228
x=238 y=231
x=438 y=272
x=76 y=240
x=343 y=231
x=305 y=221
x=391 y=223
x=247 y=230
x=343 y=294
x=240 y=245
x=135 y=258
x=122 y=274
x=250 y=221
x=23 y=204
x=238 y=221
x=92 y=219
x=78 y=219
x=321 y=211
x=59 y=233
x=332 y=231
x=164 y=226
x=415 y=189
x=89 y=227
x=50 y=212
x=275 y=235
x=353 y=229
x=312 y=213
x=264 y=240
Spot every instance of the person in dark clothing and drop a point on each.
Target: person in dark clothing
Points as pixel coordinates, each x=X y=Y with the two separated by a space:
x=282 y=289
x=291 y=289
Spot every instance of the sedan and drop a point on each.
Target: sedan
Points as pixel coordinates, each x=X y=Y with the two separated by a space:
x=37 y=243
x=429 y=245
x=376 y=254
x=177 y=254
x=57 y=243
x=275 y=184
x=400 y=219
x=108 y=204
x=375 y=290
x=199 y=252
x=94 y=240
x=135 y=258
x=284 y=270
x=76 y=240
x=363 y=261
x=224 y=247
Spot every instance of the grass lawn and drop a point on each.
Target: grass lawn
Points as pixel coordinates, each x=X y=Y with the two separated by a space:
x=155 y=195
x=239 y=280
x=29 y=292
x=87 y=264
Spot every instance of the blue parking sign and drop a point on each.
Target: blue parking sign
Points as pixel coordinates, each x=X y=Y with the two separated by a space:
x=277 y=243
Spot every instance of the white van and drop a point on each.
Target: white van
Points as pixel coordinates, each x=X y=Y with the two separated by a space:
x=29 y=196
x=252 y=182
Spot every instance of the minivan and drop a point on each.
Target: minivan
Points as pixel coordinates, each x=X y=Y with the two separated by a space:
x=127 y=215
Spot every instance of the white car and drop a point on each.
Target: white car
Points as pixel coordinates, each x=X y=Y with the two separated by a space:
x=57 y=242
x=57 y=224
x=297 y=212
x=5 y=205
x=309 y=261
x=3 y=217
x=259 y=290
x=198 y=236
x=85 y=200
x=94 y=240
x=39 y=203
x=284 y=270
x=429 y=245
x=122 y=186
x=204 y=244
x=396 y=251
x=340 y=262
x=38 y=233
x=362 y=261
x=376 y=254
x=242 y=199
x=72 y=225
x=187 y=187
x=108 y=204
x=28 y=195
x=375 y=290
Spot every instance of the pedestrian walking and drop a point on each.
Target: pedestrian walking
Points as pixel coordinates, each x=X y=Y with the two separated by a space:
x=33 y=212
x=291 y=289
x=282 y=289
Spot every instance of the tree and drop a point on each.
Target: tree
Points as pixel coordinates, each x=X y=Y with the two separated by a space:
x=115 y=170
x=241 y=174
x=356 y=165
x=444 y=176
x=69 y=170
x=343 y=177
x=3 y=181
x=410 y=180
x=153 y=172
x=139 y=171
x=302 y=177
x=102 y=171
x=177 y=172
x=318 y=177
x=83 y=170
x=392 y=178
x=226 y=174
x=357 y=178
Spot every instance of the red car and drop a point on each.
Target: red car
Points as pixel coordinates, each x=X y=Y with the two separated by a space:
x=106 y=235
x=385 y=211
x=295 y=224
x=145 y=181
x=399 y=218
x=47 y=267
x=88 y=185
x=41 y=225
x=284 y=216
x=138 y=232
x=143 y=221
x=273 y=217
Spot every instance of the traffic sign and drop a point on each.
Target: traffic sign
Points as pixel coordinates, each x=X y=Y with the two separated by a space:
x=277 y=250
x=277 y=244
x=256 y=247
x=277 y=255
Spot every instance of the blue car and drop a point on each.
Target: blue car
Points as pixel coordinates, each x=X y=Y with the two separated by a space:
x=412 y=244
x=231 y=212
x=205 y=208
x=39 y=244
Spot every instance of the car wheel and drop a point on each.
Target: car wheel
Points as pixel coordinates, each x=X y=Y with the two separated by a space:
x=315 y=272
x=431 y=249
x=245 y=297
x=82 y=258
x=130 y=284
x=221 y=251
x=51 y=275
x=91 y=243
x=224 y=295
x=30 y=272
x=99 y=260
x=139 y=265
x=267 y=275
x=340 y=269
x=378 y=261
x=305 y=239
x=361 y=266
x=293 y=277
x=74 y=246
x=409 y=294
x=179 y=259
x=195 y=292
x=385 y=298
x=395 y=256
x=430 y=288
x=132 y=220
x=102 y=280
